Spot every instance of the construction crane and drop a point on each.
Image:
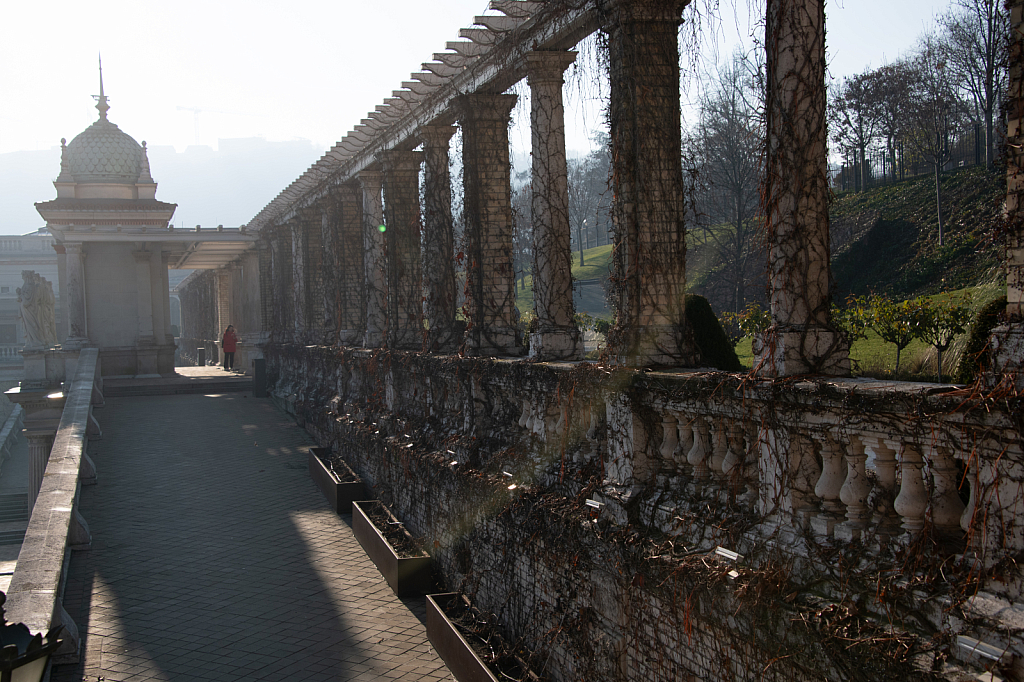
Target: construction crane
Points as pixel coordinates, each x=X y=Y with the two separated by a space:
x=196 y=111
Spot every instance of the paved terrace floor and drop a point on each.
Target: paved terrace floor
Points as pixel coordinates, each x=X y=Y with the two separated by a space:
x=214 y=557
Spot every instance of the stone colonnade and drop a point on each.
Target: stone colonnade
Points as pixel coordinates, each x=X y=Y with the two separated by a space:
x=362 y=265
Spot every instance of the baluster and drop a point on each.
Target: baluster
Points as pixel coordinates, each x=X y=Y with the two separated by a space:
x=531 y=421
x=855 y=490
x=685 y=439
x=732 y=464
x=719 y=451
x=829 y=484
x=972 y=503
x=669 y=441
x=698 y=453
x=525 y=416
x=751 y=467
x=802 y=475
x=912 y=501
x=883 y=454
x=947 y=507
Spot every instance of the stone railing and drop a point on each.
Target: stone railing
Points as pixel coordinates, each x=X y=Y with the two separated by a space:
x=56 y=527
x=777 y=471
x=10 y=353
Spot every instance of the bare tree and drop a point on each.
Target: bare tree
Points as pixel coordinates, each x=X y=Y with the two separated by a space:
x=975 y=42
x=724 y=146
x=522 y=227
x=892 y=84
x=935 y=110
x=854 y=117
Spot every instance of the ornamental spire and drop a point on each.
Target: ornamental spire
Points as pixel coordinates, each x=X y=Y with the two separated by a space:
x=101 y=99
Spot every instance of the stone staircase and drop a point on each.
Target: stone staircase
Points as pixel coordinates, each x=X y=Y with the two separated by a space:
x=13 y=518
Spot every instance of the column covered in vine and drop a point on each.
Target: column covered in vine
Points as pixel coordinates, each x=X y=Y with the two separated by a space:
x=795 y=194
x=649 y=275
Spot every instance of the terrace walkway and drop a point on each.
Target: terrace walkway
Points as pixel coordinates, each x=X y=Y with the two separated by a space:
x=214 y=557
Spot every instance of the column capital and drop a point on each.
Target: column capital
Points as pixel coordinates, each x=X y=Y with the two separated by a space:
x=74 y=248
x=546 y=66
x=369 y=180
x=59 y=247
x=621 y=11
x=479 y=107
x=142 y=256
x=435 y=136
x=394 y=160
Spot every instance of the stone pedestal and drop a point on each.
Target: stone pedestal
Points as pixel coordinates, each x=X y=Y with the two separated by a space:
x=44 y=368
x=490 y=291
x=43 y=409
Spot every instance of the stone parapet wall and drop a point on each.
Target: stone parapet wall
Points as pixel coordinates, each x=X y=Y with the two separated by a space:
x=841 y=496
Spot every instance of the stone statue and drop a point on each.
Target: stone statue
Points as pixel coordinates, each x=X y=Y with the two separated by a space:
x=37 y=304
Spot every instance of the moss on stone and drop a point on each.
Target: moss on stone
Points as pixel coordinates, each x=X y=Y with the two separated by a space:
x=715 y=348
x=975 y=357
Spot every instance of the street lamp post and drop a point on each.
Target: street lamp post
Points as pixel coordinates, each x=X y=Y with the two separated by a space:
x=23 y=656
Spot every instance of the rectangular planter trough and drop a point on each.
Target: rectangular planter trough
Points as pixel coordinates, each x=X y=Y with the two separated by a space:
x=340 y=495
x=449 y=644
x=405 y=575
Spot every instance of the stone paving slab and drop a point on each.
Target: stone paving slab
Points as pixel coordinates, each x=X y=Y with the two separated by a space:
x=214 y=557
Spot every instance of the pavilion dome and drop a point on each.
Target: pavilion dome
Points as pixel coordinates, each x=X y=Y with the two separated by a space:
x=102 y=153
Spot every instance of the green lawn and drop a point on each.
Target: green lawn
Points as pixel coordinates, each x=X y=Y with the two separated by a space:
x=877 y=358
x=597 y=262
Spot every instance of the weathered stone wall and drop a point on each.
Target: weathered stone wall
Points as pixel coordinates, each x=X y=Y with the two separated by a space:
x=640 y=593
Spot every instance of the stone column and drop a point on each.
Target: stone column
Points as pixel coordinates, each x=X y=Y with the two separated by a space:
x=296 y=229
x=159 y=295
x=225 y=298
x=373 y=258
x=490 y=294
x=402 y=239
x=1008 y=339
x=351 y=271
x=557 y=337
x=801 y=339
x=145 y=348
x=266 y=279
x=438 y=240
x=650 y=235
x=62 y=291
x=165 y=288
x=39 y=445
x=78 y=330
x=144 y=298
x=313 y=281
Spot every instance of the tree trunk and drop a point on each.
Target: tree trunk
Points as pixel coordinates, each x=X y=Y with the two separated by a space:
x=938 y=200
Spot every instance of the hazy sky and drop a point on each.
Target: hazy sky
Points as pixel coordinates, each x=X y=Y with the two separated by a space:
x=306 y=69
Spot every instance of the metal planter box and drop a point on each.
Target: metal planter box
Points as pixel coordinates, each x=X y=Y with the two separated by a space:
x=340 y=495
x=450 y=645
x=405 y=575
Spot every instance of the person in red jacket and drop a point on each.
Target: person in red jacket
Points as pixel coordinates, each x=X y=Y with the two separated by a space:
x=228 y=344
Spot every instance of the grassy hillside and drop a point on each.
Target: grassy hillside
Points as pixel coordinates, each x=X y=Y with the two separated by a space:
x=597 y=264
x=900 y=254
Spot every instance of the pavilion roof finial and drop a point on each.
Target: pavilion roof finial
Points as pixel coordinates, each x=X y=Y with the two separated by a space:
x=101 y=99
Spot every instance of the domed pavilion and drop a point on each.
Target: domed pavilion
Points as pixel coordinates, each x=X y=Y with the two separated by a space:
x=115 y=244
